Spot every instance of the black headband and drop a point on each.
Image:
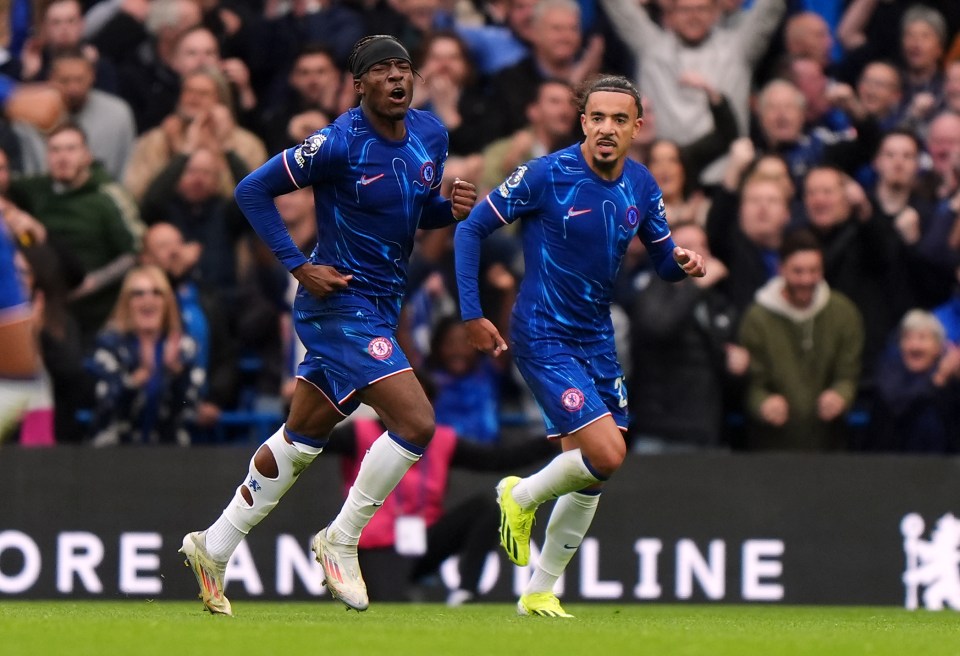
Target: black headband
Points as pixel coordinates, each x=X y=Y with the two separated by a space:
x=376 y=50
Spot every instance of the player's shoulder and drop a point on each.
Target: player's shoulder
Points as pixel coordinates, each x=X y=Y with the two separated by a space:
x=637 y=174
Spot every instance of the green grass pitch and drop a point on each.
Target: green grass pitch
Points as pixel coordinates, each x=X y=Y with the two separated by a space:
x=135 y=628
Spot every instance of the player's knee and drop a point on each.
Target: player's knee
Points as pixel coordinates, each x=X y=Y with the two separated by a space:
x=609 y=460
x=421 y=431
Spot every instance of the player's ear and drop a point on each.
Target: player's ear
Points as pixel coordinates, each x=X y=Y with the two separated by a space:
x=357 y=86
x=583 y=124
x=636 y=127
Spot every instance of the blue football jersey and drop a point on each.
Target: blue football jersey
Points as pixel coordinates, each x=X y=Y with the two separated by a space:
x=11 y=288
x=371 y=195
x=576 y=228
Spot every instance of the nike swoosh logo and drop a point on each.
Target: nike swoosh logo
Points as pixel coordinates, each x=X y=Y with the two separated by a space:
x=364 y=180
x=572 y=212
x=377 y=505
x=567 y=546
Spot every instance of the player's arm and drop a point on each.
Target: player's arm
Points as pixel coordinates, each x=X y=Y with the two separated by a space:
x=18 y=343
x=292 y=169
x=671 y=262
x=483 y=220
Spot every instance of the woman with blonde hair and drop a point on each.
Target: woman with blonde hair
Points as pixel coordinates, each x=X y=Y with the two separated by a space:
x=146 y=371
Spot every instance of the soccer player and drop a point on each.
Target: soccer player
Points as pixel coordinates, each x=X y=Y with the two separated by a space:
x=376 y=175
x=580 y=207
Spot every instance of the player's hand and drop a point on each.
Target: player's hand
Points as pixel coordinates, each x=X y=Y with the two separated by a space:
x=690 y=261
x=462 y=198
x=321 y=280
x=485 y=337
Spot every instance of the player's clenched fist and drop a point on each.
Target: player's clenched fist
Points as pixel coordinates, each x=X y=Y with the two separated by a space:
x=463 y=198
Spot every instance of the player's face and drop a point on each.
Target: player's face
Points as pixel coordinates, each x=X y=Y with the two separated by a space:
x=609 y=123
x=801 y=272
x=387 y=89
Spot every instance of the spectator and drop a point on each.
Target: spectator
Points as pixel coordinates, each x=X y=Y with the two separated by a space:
x=141 y=40
x=781 y=116
x=499 y=46
x=106 y=119
x=745 y=226
x=896 y=202
x=64 y=379
x=806 y=34
x=694 y=43
x=555 y=50
x=951 y=86
x=923 y=43
x=315 y=84
x=147 y=377
x=862 y=257
x=202 y=118
x=205 y=320
x=61 y=28
x=918 y=391
x=187 y=194
x=682 y=343
x=684 y=201
x=551 y=124
x=805 y=342
x=88 y=217
x=289 y=26
x=448 y=86
x=880 y=92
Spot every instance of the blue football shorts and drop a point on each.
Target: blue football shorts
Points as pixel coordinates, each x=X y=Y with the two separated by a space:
x=573 y=392
x=349 y=346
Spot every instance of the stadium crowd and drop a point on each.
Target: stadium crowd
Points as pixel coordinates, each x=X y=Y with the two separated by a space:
x=810 y=150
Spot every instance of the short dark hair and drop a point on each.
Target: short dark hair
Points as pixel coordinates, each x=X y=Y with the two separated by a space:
x=68 y=126
x=615 y=83
x=71 y=54
x=900 y=132
x=799 y=240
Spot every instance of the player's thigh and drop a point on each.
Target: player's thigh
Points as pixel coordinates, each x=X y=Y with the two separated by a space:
x=402 y=405
x=601 y=442
x=564 y=390
x=312 y=413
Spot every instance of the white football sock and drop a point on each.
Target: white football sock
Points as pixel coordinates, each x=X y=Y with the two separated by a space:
x=383 y=466
x=239 y=516
x=569 y=522
x=566 y=473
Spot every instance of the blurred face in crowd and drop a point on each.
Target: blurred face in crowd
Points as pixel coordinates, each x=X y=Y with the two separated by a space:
x=73 y=78
x=897 y=161
x=824 y=198
x=943 y=143
x=446 y=58
x=198 y=94
x=315 y=78
x=920 y=349
x=667 y=169
x=197 y=49
x=163 y=247
x=879 y=89
x=68 y=158
x=62 y=25
x=693 y=20
x=455 y=353
x=951 y=86
x=554 y=112
x=809 y=77
x=520 y=18
x=781 y=112
x=775 y=168
x=808 y=35
x=802 y=271
x=146 y=302
x=557 y=39
x=921 y=46
x=692 y=237
x=200 y=178
x=421 y=13
x=763 y=211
